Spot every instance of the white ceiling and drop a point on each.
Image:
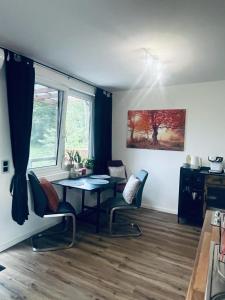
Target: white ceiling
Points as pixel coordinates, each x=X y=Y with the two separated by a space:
x=103 y=41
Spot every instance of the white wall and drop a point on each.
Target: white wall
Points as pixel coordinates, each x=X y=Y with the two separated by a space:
x=205 y=135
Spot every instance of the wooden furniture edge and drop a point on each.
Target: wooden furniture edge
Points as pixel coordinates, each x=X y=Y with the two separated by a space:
x=197 y=285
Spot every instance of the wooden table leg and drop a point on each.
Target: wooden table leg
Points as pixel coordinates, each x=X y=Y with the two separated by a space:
x=98 y=211
x=83 y=197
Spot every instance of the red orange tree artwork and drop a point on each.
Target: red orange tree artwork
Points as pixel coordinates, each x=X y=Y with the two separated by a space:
x=156 y=129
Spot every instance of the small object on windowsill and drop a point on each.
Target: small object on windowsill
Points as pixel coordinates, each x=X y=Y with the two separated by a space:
x=67 y=166
x=83 y=171
x=74 y=173
x=89 y=171
x=88 y=163
x=78 y=166
x=77 y=160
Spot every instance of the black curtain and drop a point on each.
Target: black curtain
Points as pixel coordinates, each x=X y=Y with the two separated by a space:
x=20 y=78
x=102 y=130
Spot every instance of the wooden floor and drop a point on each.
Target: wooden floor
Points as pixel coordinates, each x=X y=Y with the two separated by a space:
x=156 y=265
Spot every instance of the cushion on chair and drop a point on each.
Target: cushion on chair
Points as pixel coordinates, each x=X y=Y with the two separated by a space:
x=117 y=172
x=130 y=189
x=53 y=199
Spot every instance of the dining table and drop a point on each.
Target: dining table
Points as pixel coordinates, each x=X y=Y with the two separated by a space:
x=91 y=183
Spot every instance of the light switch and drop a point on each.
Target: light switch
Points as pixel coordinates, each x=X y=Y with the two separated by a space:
x=5 y=166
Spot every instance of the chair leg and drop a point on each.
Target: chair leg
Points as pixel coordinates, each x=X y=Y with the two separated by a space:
x=114 y=217
x=131 y=225
x=111 y=215
x=35 y=238
x=65 y=228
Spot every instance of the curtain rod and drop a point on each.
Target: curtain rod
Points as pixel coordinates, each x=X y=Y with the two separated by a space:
x=56 y=70
x=63 y=73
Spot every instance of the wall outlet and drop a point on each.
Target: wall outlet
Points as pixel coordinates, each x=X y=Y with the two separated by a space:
x=5 y=166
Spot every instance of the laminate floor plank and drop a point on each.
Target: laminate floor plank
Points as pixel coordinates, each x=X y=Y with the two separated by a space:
x=155 y=266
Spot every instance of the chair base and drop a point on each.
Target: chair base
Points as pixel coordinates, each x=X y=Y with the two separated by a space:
x=132 y=226
x=35 y=248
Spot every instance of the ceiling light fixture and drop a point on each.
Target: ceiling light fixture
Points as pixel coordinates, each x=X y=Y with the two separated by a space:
x=149 y=57
x=153 y=65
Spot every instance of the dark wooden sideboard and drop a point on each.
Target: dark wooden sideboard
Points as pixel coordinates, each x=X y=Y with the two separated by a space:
x=199 y=190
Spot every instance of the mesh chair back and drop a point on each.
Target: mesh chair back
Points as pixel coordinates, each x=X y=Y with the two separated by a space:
x=39 y=197
x=142 y=176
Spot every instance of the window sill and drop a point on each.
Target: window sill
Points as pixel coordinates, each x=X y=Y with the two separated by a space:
x=51 y=173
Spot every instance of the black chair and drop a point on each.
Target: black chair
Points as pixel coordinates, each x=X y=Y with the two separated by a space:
x=118 y=163
x=64 y=210
x=113 y=205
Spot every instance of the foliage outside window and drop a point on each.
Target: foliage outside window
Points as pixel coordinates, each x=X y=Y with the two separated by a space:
x=78 y=122
x=45 y=127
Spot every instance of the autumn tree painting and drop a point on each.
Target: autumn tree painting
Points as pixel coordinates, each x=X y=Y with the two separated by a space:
x=156 y=129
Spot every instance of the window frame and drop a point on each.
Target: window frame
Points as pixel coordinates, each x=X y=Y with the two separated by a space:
x=48 y=170
x=46 y=76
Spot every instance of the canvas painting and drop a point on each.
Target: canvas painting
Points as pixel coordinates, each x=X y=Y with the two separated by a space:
x=156 y=129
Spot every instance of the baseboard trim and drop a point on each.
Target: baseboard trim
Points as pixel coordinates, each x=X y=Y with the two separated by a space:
x=158 y=208
x=23 y=237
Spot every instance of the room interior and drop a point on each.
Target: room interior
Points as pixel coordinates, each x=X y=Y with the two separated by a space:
x=118 y=108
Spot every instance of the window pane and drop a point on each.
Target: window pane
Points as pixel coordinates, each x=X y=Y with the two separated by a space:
x=44 y=135
x=78 y=125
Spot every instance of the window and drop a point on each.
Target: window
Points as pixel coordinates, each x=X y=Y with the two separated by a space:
x=79 y=123
x=45 y=127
